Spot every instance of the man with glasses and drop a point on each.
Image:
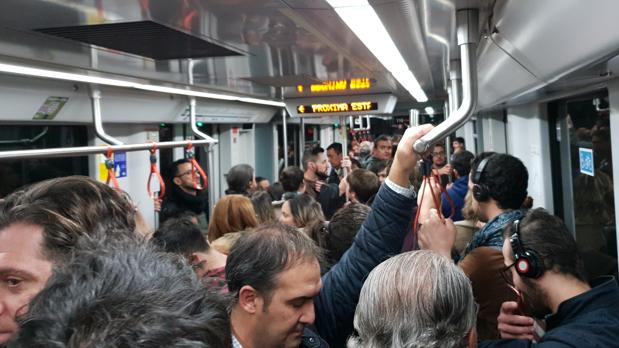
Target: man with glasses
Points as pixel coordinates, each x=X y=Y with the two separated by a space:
x=184 y=194
x=543 y=266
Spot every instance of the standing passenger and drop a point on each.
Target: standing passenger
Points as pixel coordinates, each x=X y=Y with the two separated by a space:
x=328 y=195
x=183 y=194
x=335 y=156
x=499 y=186
x=232 y=215
x=381 y=153
x=241 y=180
x=39 y=229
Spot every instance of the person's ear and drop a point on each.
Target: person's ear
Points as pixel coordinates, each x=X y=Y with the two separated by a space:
x=352 y=196
x=248 y=299
x=177 y=181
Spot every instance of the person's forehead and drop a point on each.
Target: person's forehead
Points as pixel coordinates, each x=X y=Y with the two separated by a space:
x=184 y=166
x=302 y=279
x=20 y=248
x=382 y=143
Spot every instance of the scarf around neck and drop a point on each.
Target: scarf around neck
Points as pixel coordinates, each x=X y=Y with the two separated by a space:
x=491 y=235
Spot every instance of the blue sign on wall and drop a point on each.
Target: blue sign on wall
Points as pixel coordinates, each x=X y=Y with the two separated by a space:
x=586 y=161
x=120 y=164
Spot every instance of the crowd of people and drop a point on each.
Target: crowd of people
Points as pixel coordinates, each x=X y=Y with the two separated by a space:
x=369 y=249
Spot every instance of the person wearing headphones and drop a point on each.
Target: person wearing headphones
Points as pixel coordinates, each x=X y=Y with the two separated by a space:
x=498 y=183
x=543 y=265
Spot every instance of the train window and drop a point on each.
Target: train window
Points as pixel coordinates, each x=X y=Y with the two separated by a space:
x=582 y=156
x=18 y=173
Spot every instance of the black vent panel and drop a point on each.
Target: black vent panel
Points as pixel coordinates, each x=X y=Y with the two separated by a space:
x=143 y=38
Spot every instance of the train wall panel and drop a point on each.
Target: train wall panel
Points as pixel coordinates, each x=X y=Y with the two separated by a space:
x=613 y=95
x=528 y=139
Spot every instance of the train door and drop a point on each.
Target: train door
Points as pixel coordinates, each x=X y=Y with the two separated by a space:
x=582 y=168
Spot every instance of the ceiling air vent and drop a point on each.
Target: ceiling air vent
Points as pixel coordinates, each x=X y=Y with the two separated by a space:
x=143 y=38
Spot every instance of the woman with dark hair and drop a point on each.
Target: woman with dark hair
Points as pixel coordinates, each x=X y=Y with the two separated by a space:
x=241 y=180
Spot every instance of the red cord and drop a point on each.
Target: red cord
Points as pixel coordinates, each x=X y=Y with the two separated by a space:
x=155 y=171
x=109 y=164
x=195 y=166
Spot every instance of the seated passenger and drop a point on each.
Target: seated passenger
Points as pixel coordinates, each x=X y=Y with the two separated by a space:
x=232 y=214
x=362 y=186
x=461 y=165
x=380 y=237
x=300 y=211
x=543 y=264
x=336 y=236
x=123 y=293
x=241 y=180
x=182 y=194
x=265 y=213
x=182 y=236
x=499 y=186
x=416 y=299
x=328 y=195
x=39 y=228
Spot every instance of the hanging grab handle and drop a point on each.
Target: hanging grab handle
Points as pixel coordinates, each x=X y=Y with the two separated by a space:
x=109 y=164
x=155 y=171
x=195 y=167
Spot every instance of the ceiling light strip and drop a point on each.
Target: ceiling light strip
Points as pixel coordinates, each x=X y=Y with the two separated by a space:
x=361 y=18
x=58 y=75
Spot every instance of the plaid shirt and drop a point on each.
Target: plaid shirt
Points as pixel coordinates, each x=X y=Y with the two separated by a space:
x=216 y=280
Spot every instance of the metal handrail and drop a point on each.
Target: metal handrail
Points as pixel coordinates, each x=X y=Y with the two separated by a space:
x=91 y=150
x=467 y=40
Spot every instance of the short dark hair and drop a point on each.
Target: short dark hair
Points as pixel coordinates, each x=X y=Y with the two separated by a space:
x=276 y=190
x=550 y=239
x=337 y=147
x=506 y=178
x=173 y=170
x=459 y=140
x=364 y=183
x=239 y=178
x=260 y=178
x=343 y=228
x=180 y=236
x=311 y=155
x=68 y=208
x=257 y=258
x=461 y=162
x=291 y=179
x=380 y=138
x=124 y=294
x=261 y=200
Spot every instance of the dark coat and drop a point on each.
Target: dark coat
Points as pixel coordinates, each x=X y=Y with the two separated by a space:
x=380 y=237
x=587 y=320
x=311 y=339
x=177 y=201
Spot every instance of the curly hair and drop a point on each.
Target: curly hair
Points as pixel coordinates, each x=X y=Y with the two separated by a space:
x=124 y=293
x=506 y=178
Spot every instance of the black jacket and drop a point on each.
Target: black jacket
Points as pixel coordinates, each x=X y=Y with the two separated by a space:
x=380 y=237
x=177 y=201
x=587 y=320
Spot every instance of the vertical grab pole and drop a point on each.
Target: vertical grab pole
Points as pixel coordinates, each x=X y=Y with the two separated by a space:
x=285 y=136
x=344 y=135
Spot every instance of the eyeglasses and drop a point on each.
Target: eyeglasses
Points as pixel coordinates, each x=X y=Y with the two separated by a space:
x=187 y=172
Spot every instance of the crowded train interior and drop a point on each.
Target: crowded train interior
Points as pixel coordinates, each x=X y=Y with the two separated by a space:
x=309 y=173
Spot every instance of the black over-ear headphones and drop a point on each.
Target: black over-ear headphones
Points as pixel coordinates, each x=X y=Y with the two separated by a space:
x=527 y=263
x=480 y=191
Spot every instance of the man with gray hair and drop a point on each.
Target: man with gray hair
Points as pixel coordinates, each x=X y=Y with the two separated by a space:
x=416 y=299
